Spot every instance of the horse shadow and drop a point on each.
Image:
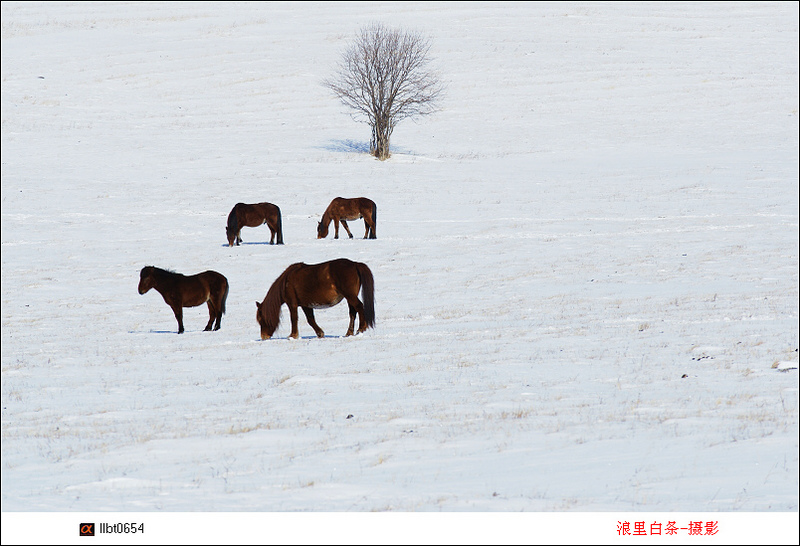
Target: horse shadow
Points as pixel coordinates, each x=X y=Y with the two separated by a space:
x=254 y=243
x=151 y=331
x=307 y=338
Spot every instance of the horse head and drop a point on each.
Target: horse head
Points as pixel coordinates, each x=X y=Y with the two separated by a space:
x=262 y=322
x=146 y=280
x=322 y=230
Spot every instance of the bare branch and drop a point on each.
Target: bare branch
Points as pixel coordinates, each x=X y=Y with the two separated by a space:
x=383 y=77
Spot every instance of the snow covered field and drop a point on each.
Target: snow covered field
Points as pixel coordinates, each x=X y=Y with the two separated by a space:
x=586 y=266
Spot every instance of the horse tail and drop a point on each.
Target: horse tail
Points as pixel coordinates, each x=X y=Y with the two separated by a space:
x=367 y=292
x=374 y=235
x=227 y=288
x=280 y=225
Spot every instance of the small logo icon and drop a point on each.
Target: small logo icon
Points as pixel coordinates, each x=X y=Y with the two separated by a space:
x=87 y=529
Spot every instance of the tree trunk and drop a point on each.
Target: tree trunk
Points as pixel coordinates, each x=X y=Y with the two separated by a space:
x=373 y=142
x=379 y=145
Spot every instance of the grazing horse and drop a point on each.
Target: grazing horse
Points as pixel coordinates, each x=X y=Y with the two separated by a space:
x=341 y=210
x=244 y=215
x=315 y=287
x=181 y=291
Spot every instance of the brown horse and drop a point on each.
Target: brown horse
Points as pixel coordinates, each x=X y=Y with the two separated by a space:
x=181 y=291
x=319 y=286
x=341 y=210
x=254 y=215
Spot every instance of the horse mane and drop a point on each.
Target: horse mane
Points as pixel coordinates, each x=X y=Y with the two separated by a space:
x=160 y=270
x=233 y=218
x=326 y=217
x=270 y=308
x=328 y=211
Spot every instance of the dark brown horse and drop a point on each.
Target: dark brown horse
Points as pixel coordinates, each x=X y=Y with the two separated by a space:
x=181 y=291
x=341 y=210
x=315 y=287
x=254 y=215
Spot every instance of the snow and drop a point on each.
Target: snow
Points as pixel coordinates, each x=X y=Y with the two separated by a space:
x=586 y=266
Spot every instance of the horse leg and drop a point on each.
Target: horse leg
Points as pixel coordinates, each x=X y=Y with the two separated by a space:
x=178 y=310
x=219 y=320
x=362 y=322
x=219 y=306
x=310 y=318
x=336 y=228
x=211 y=316
x=347 y=229
x=352 y=320
x=239 y=237
x=356 y=307
x=293 y=315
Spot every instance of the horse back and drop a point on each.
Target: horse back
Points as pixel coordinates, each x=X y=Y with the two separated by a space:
x=259 y=213
x=351 y=209
x=342 y=275
x=365 y=204
x=309 y=286
x=315 y=286
x=213 y=279
x=202 y=287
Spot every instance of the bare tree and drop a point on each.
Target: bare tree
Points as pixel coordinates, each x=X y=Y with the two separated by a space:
x=384 y=77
